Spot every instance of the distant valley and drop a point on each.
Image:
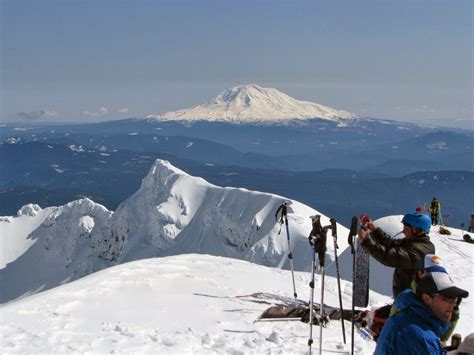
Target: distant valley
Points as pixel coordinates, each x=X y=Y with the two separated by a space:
x=54 y=174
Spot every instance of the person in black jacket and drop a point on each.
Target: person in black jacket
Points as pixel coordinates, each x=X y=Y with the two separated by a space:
x=406 y=254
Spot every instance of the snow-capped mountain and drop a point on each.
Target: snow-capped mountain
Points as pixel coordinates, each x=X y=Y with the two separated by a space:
x=171 y=213
x=254 y=104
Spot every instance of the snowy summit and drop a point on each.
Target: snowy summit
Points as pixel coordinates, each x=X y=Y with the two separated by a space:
x=254 y=104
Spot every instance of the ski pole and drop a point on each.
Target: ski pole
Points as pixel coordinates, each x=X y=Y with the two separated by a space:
x=311 y=301
x=290 y=258
x=313 y=237
x=321 y=310
x=350 y=241
x=334 y=237
x=321 y=249
x=284 y=217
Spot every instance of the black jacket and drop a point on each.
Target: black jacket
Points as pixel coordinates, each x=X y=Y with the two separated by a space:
x=405 y=255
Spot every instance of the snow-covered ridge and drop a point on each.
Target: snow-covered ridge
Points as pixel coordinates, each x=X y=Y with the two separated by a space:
x=171 y=213
x=174 y=213
x=43 y=248
x=254 y=104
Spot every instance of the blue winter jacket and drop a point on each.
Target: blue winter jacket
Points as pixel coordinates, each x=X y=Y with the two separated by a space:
x=413 y=330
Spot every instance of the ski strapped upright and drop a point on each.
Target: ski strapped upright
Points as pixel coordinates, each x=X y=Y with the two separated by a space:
x=361 y=280
x=283 y=210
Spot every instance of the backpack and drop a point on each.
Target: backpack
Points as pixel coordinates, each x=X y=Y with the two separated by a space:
x=374 y=320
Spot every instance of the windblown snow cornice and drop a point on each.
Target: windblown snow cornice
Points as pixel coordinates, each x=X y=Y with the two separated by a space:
x=254 y=104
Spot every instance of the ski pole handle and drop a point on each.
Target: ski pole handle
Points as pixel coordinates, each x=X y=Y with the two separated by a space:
x=352 y=233
x=334 y=231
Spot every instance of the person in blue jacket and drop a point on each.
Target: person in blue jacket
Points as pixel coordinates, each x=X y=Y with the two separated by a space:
x=422 y=318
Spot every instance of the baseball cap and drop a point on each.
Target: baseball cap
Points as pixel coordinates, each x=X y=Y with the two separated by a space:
x=431 y=263
x=440 y=282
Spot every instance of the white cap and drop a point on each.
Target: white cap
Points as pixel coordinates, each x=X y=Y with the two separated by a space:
x=440 y=282
x=432 y=263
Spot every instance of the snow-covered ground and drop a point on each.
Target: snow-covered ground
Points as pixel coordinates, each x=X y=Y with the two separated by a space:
x=145 y=281
x=180 y=304
x=187 y=304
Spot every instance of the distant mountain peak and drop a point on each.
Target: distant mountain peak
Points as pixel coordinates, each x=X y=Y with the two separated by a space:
x=253 y=104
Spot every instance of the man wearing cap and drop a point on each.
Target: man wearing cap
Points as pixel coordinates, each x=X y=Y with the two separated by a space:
x=406 y=254
x=422 y=318
x=431 y=263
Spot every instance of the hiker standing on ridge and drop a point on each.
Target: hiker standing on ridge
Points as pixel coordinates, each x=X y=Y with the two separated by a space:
x=406 y=254
x=424 y=316
x=435 y=209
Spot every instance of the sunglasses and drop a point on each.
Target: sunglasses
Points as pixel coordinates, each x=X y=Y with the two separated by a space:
x=450 y=300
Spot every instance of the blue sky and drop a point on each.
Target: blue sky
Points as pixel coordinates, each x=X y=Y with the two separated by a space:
x=88 y=60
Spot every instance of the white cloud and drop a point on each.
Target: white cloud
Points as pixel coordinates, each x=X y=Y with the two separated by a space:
x=123 y=110
x=90 y=113
x=34 y=115
x=100 y=112
x=30 y=115
x=50 y=113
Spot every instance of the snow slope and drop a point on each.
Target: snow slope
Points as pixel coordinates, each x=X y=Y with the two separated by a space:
x=183 y=304
x=43 y=248
x=187 y=304
x=15 y=240
x=254 y=104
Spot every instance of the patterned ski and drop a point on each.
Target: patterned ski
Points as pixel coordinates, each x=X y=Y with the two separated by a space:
x=361 y=276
